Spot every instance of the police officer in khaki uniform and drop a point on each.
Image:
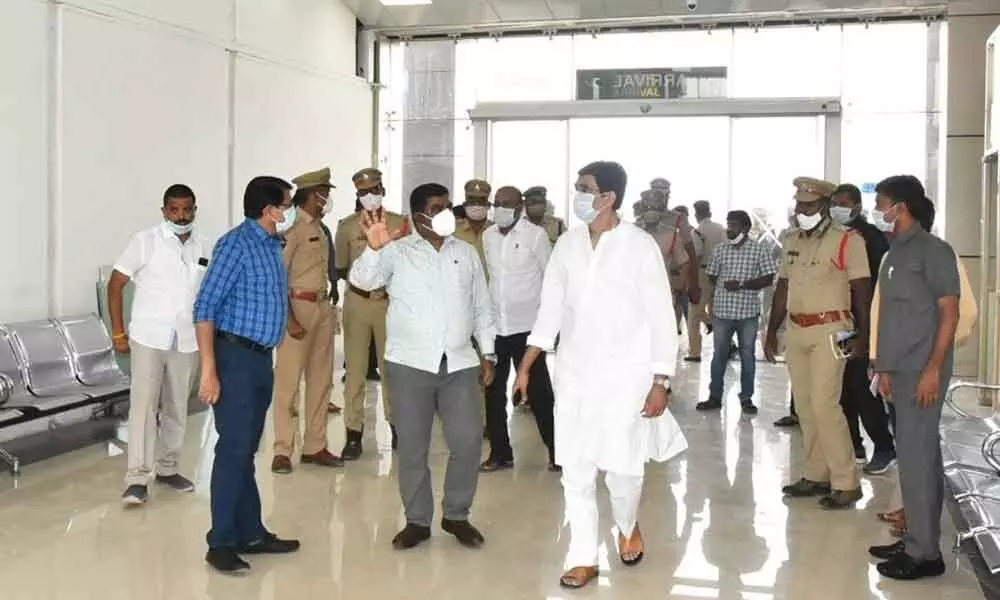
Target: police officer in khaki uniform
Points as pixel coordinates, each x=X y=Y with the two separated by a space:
x=652 y=216
x=364 y=312
x=470 y=228
x=824 y=272
x=312 y=324
x=536 y=208
x=686 y=237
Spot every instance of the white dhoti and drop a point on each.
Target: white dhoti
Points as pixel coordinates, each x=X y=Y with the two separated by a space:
x=580 y=492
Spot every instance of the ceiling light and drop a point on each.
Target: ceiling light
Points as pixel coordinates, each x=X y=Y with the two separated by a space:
x=405 y=2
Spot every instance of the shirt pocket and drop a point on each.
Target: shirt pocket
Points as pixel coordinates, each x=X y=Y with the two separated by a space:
x=905 y=280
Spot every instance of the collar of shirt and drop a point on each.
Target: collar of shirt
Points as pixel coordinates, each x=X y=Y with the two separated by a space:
x=305 y=216
x=252 y=228
x=912 y=233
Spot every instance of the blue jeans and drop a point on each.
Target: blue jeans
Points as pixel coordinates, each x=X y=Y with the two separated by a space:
x=246 y=378
x=746 y=336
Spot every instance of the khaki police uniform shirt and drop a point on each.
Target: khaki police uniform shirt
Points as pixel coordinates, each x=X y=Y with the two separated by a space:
x=307 y=255
x=554 y=227
x=351 y=240
x=708 y=236
x=817 y=282
x=465 y=232
x=668 y=238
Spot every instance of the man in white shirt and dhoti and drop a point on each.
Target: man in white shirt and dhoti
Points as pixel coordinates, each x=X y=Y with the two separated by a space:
x=607 y=296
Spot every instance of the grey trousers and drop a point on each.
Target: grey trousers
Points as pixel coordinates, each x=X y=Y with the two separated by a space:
x=162 y=383
x=921 y=472
x=456 y=398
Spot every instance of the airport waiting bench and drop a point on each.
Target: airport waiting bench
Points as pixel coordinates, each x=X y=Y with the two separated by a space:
x=54 y=373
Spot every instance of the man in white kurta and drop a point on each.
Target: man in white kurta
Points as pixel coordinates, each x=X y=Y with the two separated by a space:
x=607 y=296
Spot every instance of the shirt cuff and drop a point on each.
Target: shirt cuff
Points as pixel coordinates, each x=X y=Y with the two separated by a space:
x=540 y=341
x=662 y=368
x=124 y=271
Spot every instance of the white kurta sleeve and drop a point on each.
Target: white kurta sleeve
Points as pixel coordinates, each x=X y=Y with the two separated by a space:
x=482 y=305
x=373 y=269
x=657 y=301
x=550 y=311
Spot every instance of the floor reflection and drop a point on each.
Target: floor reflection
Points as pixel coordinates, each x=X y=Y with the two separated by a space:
x=714 y=520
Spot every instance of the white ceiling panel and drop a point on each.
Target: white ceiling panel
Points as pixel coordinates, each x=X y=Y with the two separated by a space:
x=443 y=17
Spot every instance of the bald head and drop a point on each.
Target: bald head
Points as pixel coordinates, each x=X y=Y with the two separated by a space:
x=508 y=196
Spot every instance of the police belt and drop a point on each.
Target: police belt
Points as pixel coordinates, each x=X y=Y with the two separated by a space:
x=823 y=318
x=378 y=294
x=307 y=296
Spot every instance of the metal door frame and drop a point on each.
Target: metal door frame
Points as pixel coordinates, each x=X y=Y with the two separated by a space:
x=484 y=115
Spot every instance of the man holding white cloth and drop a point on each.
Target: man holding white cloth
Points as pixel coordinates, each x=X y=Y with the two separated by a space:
x=607 y=296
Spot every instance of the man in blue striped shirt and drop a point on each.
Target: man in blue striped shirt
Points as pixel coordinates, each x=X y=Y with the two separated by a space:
x=240 y=316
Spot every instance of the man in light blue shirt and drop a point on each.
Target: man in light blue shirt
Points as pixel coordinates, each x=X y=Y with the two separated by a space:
x=438 y=301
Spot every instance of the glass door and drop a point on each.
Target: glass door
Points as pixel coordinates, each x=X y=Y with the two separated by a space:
x=767 y=154
x=691 y=152
x=526 y=154
x=989 y=337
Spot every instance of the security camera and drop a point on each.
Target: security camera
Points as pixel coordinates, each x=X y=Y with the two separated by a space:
x=692 y=4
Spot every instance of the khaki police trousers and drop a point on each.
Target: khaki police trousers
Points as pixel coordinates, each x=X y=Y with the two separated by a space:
x=817 y=376
x=363 y=318
x=312 y=355
x=699 y=314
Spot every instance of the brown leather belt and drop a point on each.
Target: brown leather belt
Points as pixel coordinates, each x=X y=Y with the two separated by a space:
x=378 y=294
x=307 y=296
x=823 y=318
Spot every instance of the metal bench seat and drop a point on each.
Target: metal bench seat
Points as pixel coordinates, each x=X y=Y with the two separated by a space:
x=988 y=543
x=20 y=397
x=44 y=359
x=91 y=354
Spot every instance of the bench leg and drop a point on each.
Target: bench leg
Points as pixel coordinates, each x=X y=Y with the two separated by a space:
x=13 y=463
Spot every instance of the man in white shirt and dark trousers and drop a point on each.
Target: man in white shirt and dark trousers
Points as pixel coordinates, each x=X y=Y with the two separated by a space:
x=438 y=300
x=739 y=270
x=166 y=262
x=517 y=252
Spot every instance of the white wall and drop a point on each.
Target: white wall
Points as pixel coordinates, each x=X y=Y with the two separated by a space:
x=107 y=102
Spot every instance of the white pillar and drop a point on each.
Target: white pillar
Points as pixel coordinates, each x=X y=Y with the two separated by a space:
x=970 y=23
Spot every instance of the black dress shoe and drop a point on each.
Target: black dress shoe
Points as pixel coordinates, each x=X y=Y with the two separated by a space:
x=464 y=532
x=271 y=544
x=353 y=448
x=411 y=536
x=888 y=551
x=904 y=567
x=492 y=465
x=225 y=560
x=841 y=499
x=710 y=404
x=804 y=488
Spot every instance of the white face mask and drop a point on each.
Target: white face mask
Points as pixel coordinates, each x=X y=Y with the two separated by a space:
x=289 y=214
x=443 y=223
x=736 y=240
x=841 y=214
x=176 y=229
x=878 y=220
x=371 y=201
x=808 y=222
x=583 y=207
x=477 y=213
x=504 y=216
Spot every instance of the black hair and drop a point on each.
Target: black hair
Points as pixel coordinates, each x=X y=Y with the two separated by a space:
x=300 y=197
x=702 y=208
x=262 y=192
x=741 y=217
x=682 y=209
x=422 y=194
x=177 y=191
x=850 y=190
x=610 y=177
x=907 y=189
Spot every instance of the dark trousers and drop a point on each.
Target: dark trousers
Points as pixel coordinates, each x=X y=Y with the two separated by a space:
x=857 y=401
x=246 y=378
x=511 y=349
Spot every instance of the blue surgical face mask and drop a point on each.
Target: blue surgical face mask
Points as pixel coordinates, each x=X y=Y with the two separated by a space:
x=285 y=225
x=178 y=229
x=879 y=220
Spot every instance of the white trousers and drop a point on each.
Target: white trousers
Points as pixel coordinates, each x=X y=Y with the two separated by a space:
x=580 y=492
x=162 y=384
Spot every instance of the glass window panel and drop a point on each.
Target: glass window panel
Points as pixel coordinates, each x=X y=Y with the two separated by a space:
x=692 y=152
x=530 y=153
x=768 y=154
x=786 y=62
x=878 y=146
x=513 y=69
x=653 y=49
x=885 y=68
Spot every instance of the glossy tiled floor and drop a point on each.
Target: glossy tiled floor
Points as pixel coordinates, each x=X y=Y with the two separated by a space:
x=714 y=521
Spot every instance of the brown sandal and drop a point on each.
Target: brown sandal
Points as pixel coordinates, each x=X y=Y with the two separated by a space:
x=892 y=517
x=631 y=559
x=578 y=577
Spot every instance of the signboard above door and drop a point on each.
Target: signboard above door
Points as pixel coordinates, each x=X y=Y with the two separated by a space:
x=651 y=84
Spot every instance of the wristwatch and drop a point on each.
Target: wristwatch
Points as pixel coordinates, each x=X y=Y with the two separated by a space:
x=491 y=357
x=662 y=380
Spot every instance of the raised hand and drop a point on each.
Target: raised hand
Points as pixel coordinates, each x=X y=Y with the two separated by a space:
x=376 y=229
